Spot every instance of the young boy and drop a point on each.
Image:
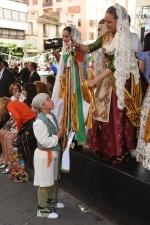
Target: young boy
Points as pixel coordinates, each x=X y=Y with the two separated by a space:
x=47 y=133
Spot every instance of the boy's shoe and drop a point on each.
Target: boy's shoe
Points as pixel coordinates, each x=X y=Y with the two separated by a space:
x=51 y=204
x=45 y=212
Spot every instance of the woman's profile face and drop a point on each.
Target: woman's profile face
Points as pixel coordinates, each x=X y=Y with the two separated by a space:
x=66 y=36
x=110 y=23
x=25 y=93
x=100 y=28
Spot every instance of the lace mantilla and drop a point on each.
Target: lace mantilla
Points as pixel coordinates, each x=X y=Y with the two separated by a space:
x=99 y=58
x=143 y=148
x=125 y=61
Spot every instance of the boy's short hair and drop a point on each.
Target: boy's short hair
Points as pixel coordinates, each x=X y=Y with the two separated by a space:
x=50 y=79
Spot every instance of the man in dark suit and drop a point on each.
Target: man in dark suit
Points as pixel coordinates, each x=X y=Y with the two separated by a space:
x=34 y=76
x=6 y=79
x=25 y=73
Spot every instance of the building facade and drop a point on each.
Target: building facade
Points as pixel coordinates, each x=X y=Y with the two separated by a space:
x=13 y=21
x=53 y=15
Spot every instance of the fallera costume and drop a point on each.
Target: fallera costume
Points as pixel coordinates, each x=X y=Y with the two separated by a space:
x=70 y=110
x=119 y=96
x=143 y=145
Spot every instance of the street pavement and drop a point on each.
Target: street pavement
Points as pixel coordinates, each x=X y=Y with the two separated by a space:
x=18 y=205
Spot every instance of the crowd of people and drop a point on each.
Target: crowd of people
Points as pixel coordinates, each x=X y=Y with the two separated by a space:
x=35 y=115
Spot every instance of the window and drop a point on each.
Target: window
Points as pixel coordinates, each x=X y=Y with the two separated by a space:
x=35 y=2
x=7 y=14
x=30 y=28
x=1 y=13
x=44 y=29
x=74 y=9
x=91 y=36
x=79 y=22
x=34 y=43
x=15 y=15
x=29 y=40
x=5 y=31
x=13 y=32
x=146 y=10
x=22 y=17
x=91 y=23
x=27 y=1
x=58 y=9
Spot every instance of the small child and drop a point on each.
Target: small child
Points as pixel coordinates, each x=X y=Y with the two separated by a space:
x=47 y=133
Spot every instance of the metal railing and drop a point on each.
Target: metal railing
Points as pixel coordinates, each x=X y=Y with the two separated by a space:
x=47 y=4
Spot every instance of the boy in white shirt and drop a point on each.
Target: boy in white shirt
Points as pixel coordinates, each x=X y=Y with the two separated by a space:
x=47 y=133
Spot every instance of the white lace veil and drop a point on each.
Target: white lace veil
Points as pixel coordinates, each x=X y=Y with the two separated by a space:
x=98 y=55
x=56 y=90
x=125 y=61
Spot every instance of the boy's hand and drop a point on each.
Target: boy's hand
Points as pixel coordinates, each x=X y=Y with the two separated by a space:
x=60 y=133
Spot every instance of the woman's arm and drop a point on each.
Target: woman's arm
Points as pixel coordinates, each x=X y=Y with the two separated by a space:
x=89 y=48
x=141 y=65
x=103 y=75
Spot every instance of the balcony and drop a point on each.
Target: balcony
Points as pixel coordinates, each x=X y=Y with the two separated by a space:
x=21 y=1
x=10 y=36
x=47 y=4
x=31 y=33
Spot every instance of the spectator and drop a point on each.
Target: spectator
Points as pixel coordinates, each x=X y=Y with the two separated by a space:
x=6 y=79
x=16 y=92
x=50 y=82
x=42 y=88
x=29 y=91
x=144 y=57
x=34 y=76
x=24 y=73
x=16 y=73
x=53 y=67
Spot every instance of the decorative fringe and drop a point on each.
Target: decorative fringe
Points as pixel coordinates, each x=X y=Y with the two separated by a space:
x=147 y=129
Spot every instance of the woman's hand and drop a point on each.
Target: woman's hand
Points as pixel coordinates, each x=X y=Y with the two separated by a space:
x=17 y=96
x=75 y=44
x=92 y=82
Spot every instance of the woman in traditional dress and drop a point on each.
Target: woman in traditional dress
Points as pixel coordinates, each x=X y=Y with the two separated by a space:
x=120 y=90
x=67 y=96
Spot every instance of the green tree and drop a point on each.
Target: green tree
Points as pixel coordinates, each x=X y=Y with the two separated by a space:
x=10 y=47
x=25 y=47
x=2 y=45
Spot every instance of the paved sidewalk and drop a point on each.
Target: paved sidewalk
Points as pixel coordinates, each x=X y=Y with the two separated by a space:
x=18 y=204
